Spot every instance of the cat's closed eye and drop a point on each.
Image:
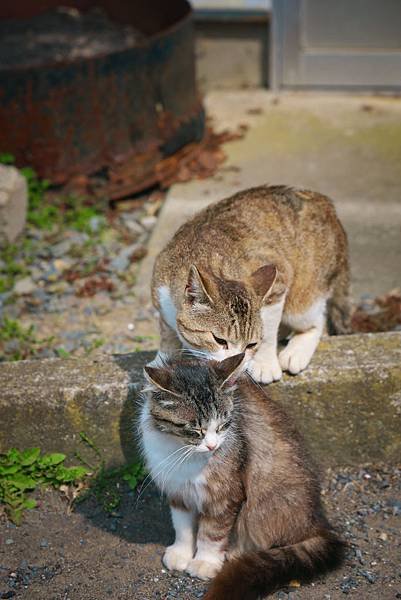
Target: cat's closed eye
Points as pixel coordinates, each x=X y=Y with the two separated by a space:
x=220 y=341
x=224 y=426
x=194 y=433
x=251 y=345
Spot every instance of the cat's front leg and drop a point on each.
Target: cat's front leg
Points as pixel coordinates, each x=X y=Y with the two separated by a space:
x=264 y=367
x=308 y=328
x=178 y=556
x=211 y=545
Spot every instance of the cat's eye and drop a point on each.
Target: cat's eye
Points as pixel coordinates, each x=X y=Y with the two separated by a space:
x=193 y=432
x=220 y=341
x=251 y=345
x=224 y=426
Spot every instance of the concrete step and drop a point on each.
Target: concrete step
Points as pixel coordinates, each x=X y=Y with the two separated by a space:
x=347 y=403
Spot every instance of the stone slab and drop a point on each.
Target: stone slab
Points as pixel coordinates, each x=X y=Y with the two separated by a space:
x=13 y=203
x=347 y=403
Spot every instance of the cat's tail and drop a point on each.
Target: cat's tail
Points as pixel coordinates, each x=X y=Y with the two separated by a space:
x=339 y=305
x=252 y=576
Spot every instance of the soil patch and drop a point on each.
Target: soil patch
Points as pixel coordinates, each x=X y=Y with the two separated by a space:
x=90 y=555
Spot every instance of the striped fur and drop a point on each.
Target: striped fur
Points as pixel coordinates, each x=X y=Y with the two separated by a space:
x=253 y=575
x=265 y=247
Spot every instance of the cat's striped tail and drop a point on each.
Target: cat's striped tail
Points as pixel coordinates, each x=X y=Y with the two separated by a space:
x=255 y=575
x=339 y=305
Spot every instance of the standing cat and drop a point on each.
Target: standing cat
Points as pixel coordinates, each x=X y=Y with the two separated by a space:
x=238 y=480
x=242 y=266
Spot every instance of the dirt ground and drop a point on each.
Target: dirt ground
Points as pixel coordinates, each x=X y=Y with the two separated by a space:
x=90 y=555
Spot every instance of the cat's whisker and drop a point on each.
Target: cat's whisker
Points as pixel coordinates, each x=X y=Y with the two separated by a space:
x=194 y=352
x=170 y=470
x=181 y=448
x=165 y=473
x=150 y=477
x=181 y=459
x=249 y=376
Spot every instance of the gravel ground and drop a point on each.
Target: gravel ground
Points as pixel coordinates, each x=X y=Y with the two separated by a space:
x=75 y=287
x=89 y=555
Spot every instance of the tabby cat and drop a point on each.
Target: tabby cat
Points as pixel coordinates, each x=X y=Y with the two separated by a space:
x=244 y=498
x=231 y=275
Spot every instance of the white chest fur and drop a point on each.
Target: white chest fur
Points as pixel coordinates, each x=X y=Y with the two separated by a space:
x=169 y=312
x=173 y=472
x=167 y=307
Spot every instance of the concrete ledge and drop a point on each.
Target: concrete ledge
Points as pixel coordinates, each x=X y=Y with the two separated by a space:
x=348 y=403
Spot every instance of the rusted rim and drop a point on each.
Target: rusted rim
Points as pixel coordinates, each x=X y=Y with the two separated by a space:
x=146 y=43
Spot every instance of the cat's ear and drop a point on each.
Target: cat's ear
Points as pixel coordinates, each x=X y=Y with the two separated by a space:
x=229 y=369
x=196 y=290
x=263 y=279
x=160 y=378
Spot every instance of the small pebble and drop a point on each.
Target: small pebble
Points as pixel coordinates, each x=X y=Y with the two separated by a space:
x=62 y=248
x=24 y=286
x=371 y=577
x=44 y=543
x=148 y=222
x=96 y=222
x=348 y=584
x=358 y=555
x=9 y=541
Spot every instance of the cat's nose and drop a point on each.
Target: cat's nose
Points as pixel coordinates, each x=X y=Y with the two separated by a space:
x=211 y=445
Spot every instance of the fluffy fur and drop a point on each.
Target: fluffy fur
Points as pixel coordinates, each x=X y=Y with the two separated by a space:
x=230 y=276
x=244 y=496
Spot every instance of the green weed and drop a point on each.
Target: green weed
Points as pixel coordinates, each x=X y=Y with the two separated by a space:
x=10 y=269
x=94 y=345
x=107 y=484
x=40 y=214
x=69 y=211
x=78 y=215
x=62 y=353
x=25 y=343
x=6 y=158
x=23 y=472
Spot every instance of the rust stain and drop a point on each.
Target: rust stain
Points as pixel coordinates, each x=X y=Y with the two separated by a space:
x=75 y=118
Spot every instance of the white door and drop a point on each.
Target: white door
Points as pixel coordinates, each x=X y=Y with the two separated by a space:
x=336 y=44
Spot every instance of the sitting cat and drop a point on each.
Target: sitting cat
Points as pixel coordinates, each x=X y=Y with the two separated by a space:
x=244 y=499
x=242 y=266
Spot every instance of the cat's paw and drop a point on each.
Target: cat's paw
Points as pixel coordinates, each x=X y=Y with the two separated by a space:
x=265 y=369
x=294 y=359
x=177 y=557
x=204 y=569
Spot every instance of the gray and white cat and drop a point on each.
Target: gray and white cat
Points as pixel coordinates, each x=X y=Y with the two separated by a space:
x=244 y=497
